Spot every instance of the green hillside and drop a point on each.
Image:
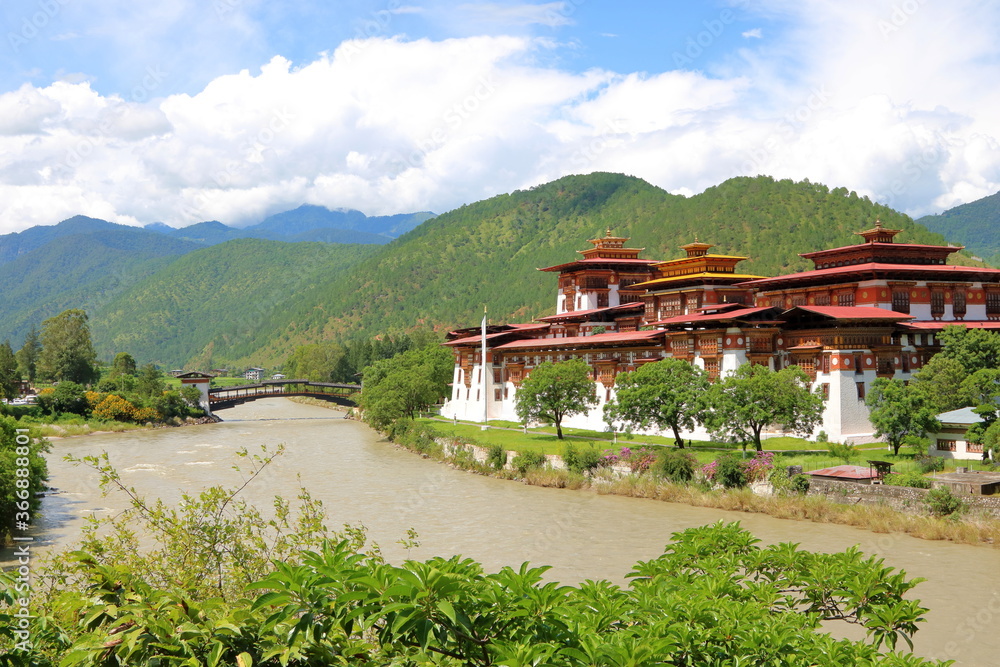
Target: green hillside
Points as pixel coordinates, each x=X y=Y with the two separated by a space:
x=78 y=271
x=217 y=303
x=975 y=225
x=442 y=273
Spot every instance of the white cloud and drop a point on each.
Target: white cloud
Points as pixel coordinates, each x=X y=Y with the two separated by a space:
x=754 y=33
x=389 y=125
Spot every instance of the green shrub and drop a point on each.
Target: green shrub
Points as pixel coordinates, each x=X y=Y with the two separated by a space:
x=525 y=461
x=800 y=484
x=930 y=464
x=911 y=479
x=841 y=450
x=581 y=460
x=676 y=465
x=941 y=502
x=729 y=472
x=496 y=457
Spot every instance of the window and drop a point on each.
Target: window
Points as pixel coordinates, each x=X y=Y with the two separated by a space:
x=946 y=445
x=937 y=304
x=822 y=299
x=905 y=358
x=859 y=365
x=825 y=365
x=861 y=391
x=993 y=305
x=799 y=300
x=974 y=447
x=846 y=299
x=901 y=301
x=825 y=387
x=958 y=304
x=602 y=299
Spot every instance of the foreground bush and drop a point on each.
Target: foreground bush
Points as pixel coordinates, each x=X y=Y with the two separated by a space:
x=581 y=460
x=713 y=598
x=675 y=465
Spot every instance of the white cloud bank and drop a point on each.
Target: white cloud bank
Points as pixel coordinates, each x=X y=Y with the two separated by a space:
x=898 y=107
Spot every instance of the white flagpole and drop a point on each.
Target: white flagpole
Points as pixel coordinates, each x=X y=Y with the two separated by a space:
x=482 y=360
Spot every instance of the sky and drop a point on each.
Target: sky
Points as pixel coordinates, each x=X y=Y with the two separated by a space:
x=180 y=111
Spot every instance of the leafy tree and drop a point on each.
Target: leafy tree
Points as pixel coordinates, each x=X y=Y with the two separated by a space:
x=405 y=384
x=27 y=356
x=940 y=381
x=67 y=352
x=973 y=348
x=19 y=452
x=554 y=391
x=316 y=362
x=666 y=394
x=742 y=404
x=897 y=411
x=124 y=364
x=150 y=383
x=10 y=379
x=68 y=397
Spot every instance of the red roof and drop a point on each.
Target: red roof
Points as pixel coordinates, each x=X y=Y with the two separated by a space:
x=634 y=305
x=878 y=244
x=869 y=267
x=846 y=472
x=583 y=341
x=715 y=317
x=853 y=312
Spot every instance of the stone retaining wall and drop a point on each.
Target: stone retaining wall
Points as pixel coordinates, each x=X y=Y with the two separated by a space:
x=900 y=498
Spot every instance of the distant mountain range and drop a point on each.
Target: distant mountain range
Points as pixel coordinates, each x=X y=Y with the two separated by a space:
x=208 y=296
x=85 y=262
x=975 y=225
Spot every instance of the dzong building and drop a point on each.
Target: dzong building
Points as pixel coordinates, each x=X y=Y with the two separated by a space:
x=864 y=311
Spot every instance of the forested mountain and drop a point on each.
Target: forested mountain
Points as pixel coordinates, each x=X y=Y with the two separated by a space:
x=250 y=302
x=14 y=245
x=445 y=271
x=216 y=304
x=975 y=225
x=80 y=270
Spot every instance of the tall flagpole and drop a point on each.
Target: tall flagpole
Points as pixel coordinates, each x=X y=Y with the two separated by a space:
x=482 y=361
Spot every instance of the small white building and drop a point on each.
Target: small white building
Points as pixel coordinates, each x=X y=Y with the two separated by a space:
x=950 y=442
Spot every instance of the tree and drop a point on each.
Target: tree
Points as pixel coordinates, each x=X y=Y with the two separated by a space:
x=405 y=384
x=150 y=382
x=666 y=394
x=742 y=404
x=973 y=348
x=940 y=381
x=19 y=452
x=316 y=362
x=10 y=379
x=27 y=356
x=124 y=364
x=67 y=398
x=554 y=391
x=67 y=351
x=897 y=411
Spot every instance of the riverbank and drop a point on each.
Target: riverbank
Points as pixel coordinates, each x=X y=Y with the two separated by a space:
x=58 y=431
x=972 y=528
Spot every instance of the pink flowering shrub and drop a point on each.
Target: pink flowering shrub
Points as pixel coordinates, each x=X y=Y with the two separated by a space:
x=638 y=460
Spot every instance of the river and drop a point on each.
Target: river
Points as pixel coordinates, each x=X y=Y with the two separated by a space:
x=362 y=479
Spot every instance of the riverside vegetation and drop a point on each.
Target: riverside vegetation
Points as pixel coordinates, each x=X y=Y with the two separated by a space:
x=223 y=583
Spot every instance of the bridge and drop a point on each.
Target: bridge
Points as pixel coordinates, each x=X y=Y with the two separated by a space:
x=220 y=398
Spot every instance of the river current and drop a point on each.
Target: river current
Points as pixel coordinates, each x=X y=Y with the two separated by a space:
x=363 y=479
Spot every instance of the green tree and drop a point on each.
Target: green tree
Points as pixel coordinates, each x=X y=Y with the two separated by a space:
x=940 y=381
x=973 y=348
x=124 y=364
x=67 y=351
x=27 y=356
x=10 y=379
x=666 y=394
x=316 y=362
x=67 y=398
x=19 y=452
x=897 y=411
x=405 y=384
x=742 y=404
x=150 y=383
x=554 y=391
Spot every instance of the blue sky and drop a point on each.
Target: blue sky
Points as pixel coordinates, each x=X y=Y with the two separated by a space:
x=183 y=110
